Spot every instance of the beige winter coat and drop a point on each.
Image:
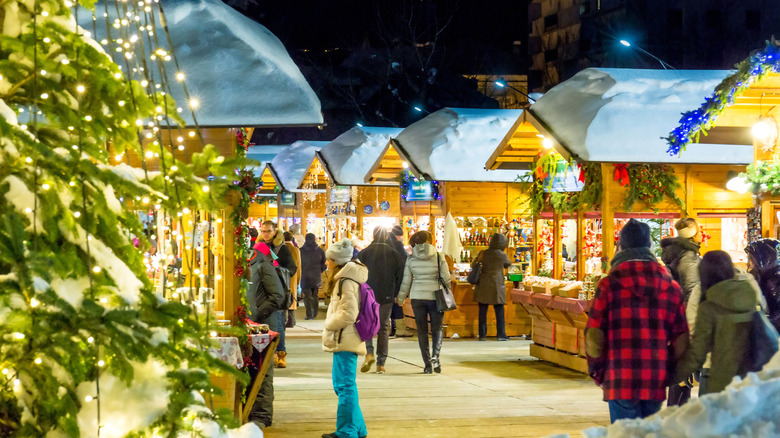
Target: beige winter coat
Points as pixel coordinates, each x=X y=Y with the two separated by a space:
x=339 y=333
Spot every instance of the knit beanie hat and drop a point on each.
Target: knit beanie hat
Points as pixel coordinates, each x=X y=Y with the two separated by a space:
x=340 y=252
x=397 y=230
x=635 y=234
x=689 y=231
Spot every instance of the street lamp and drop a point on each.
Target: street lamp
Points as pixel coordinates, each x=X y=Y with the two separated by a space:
x=501 y=84
x=663 y=64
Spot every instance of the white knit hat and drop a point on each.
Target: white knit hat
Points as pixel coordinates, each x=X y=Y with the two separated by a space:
x=340 y=252
x=689 y=231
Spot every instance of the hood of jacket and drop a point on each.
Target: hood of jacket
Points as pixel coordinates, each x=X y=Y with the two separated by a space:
x=354 y=270
x=424 y=251
x=736 y=294
x=673 y=247
x=764 y=252
x=628 y=254
x=498 y=241
x=311 y=242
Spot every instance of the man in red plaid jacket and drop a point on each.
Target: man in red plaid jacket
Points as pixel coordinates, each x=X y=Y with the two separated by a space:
x=636 y=328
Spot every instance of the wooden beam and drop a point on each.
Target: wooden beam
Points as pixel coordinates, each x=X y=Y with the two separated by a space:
x=607 y=216
x=580 y=245
x=557 y=248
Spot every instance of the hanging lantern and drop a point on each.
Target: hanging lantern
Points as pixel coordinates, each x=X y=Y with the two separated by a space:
x=765 y=132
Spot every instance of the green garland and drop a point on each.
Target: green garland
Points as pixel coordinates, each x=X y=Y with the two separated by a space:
x=764 y=177
x=650 y=184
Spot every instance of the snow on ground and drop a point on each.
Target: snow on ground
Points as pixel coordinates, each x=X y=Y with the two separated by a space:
x=352 y=154
x=621 y=115
x=292 y=163
x=453 y=144
x=748 y=407
x=238 y=70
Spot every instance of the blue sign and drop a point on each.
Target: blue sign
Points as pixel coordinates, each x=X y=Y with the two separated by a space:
x=384 y=206
x=287 y=198
x=368 y=209
x=419 y=191
x=566 y=179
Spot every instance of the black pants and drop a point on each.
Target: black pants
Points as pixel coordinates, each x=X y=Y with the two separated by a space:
x=311 y=300
x=500 y=325
x=423 y=310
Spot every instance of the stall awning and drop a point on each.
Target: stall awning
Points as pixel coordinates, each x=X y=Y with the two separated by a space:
x=386 y=170
x=453 y=144
x=624 y=115
x=240 y=73
x=519 y=150
x=351 y=155
x=291 y=164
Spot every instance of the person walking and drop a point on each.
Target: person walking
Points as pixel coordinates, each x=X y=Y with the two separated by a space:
x=764 y=265
x=385 y=272
x=636 y=328
x=681 y=256
x=294 y=279
x=265 y=297
x=274 y=239
x=341 y=338
x=491 y=288
x=421 y=279
x=721 y=328
x=312 y=267
x=396 y=240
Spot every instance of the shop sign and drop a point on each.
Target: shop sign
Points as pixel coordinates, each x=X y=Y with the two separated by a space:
x=287 y=198
x=566 y=179
x=419 y=191
x=339 y=195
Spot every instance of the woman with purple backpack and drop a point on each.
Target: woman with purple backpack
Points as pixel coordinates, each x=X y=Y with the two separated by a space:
x=341 y=338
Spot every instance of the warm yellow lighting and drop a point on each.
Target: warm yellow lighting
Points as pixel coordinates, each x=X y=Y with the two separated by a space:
x=90 y=339
x=88 y=398
x=181 y=147
x=46 y=186
x=118 y=157
x=180 y=76
x=218 y=277
x=96 y=269
x=38 y=361
x=765 y=132
x=192 y=134
x=149 y=154
x=547 y=143
x=194 y=103
x=88 y=118
x=77 y=214
x=34 y=302
x=205 y=188
x=28 y=160
x=18 y=335
x=174 y=168
x=121 y=103
x=80 y=88
x=186 y=210
x=28 y=210
x=104 y=300
x=145 y=200
x=44 y=96
x=101 y=363
x=213 y=334
x=72 y=184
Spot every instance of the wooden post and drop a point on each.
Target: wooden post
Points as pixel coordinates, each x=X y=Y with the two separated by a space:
x=689 y=211
x=557 y=249
x=220 y=271
x=607 y=217
x=535 y=246
x=580 y=244
x=230 y=298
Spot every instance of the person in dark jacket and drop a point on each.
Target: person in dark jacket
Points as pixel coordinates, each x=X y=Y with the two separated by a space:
x=721 y=324
x=681 y=256
x=265 y=297
x=763 y=263
x=385 y=272
x=491 y=289
x=636 y=328
x=275 y=240
x=396 y=239
x=312 y=267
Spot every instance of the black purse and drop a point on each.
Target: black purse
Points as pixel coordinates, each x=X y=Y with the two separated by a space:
x=445 y=300
x=476 y=270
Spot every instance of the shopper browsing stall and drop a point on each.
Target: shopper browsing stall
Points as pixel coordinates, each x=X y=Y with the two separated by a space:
x=312 y=267
x=491 y=288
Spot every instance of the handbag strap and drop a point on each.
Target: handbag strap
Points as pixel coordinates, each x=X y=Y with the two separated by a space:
x=438 y=270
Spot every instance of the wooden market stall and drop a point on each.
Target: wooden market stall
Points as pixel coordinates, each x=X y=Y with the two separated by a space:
x=617 y=146
x=440 y=160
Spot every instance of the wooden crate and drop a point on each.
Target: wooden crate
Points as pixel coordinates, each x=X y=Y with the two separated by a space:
x=231 y=397
x=579 y=320
x=543 y=333
x=566 y=338
x=581 y=342
x=558 y=316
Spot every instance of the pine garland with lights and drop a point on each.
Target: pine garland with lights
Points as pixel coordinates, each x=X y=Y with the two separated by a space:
x=406 y=179
x=763 y=177
x=76 y=307
x=695 y=123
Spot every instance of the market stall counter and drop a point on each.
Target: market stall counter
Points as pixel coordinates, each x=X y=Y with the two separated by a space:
x=464 y=320
x=558 y=327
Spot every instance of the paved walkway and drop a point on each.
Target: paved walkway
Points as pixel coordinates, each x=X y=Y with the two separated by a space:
x=486 y=389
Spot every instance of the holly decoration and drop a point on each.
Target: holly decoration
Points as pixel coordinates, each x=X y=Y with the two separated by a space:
x=650 y=184
x=242 y=141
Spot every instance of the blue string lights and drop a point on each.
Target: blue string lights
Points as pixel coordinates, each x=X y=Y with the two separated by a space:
x=697 y=122
x=407 y=180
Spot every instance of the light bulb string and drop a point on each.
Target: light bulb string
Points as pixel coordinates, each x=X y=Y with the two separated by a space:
x=35 y=123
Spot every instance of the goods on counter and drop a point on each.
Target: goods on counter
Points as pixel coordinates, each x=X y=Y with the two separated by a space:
x=553 y=286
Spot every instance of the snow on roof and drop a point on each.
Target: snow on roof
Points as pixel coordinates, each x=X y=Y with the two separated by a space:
x=746 y=408
x=453 y=144
x=352 y=154
x=237 y=69
x=291 y=164
x=622 y=115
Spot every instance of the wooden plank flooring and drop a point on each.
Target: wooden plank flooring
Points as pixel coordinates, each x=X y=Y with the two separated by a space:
x=486 y=389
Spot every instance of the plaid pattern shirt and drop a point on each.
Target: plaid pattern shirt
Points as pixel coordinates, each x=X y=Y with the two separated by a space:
x=639 y=309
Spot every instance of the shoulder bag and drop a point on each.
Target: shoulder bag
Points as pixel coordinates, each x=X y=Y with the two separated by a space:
x=476 y=270
x=445 y=300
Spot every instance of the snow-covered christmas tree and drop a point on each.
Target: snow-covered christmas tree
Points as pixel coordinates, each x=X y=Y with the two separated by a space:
x=87 y=348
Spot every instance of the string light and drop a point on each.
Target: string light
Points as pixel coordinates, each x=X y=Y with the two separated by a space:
x=77 y=214
x=90 y=339
x=34 y=302
x=80 y=88
x=38 y=361
x=101 y=363
x=88 y=398
x=205 y=188
x=46 y=186
x=96 y=269
x=18 y=335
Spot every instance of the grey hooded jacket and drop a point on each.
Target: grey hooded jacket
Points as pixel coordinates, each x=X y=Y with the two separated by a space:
x=421 y=273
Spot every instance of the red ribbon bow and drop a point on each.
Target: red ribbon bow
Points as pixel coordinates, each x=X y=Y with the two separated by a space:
x=581 y=178
x=621 y=174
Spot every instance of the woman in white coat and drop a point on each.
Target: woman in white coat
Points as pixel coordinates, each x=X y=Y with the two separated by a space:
x=341 y=338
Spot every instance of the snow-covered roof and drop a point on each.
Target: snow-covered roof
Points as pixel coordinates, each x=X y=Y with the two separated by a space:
x=290 y=165
x=453 y=144
x=623 y=115
x=237 y=69
x=350 y=156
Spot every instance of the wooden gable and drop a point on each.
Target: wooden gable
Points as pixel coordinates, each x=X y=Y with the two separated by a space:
x=388 y=167
x=315 y=178
x=519 y=148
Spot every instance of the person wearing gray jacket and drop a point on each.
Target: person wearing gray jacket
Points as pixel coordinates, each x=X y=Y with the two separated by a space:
x=421 y=279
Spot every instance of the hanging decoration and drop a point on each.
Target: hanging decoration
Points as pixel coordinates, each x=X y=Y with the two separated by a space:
x=621 y=174
x=242 y=141
x=763 y=177
x=651 y=184
x=406 y=178
x=697 y=122
x=565 y=202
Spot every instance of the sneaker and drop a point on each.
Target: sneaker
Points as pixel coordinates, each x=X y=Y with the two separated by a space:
x=380 y=369
x=368 y=363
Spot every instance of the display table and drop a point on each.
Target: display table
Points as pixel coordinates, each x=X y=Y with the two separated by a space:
x=464 y=320
x=558 y=327
x=228 y=349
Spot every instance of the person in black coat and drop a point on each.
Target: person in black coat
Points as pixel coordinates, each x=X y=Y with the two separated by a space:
x=385 y=272
x=763 y=263
x=312 y=267
x=275 y=240
x=491 y=289
x=265 y=298
x=396 y=239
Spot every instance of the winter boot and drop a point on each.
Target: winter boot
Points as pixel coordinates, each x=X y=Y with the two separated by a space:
x=282 y=359
x=276 y=360
x=368 y=363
